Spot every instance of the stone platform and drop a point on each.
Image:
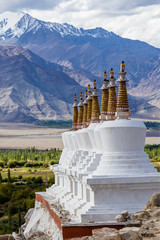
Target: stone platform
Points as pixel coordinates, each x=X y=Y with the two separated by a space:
x=50 y=221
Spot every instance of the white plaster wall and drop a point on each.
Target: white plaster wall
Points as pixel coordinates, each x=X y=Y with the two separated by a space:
x=90 y=130
x=74 y=142
x=87 y=145
x=78 y=139
x=98 y=139
x=123 y=135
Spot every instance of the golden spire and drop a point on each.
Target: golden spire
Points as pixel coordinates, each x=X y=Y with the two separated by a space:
x=95 y=105
x=80 y=112
x=122 y=102
x=89 y=107
x=85 y=103
x=112 y=100
x=104 y=101
x=75 y=113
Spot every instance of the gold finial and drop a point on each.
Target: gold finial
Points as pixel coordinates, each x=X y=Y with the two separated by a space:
x=75 y=100
x=75 y=113
x=94 y=84
x=122 y=66
x=111 y=73
x=86 y=93
x=81 y=97
x=122 y=108
x=105 y=75
x=89 y=90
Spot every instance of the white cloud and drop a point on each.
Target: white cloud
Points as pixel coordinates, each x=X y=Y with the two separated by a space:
x=16 y=5
x=138 y=19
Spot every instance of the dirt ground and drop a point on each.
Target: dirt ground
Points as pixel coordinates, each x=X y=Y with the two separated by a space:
x=14 y=136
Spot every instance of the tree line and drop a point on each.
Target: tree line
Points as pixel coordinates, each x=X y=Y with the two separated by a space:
x=29 y=157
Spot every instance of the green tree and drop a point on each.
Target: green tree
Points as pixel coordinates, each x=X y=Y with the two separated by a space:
x=2 y=163
x=19 y=216
x=9 y=175
x=9 y=220
x=12 y=163
x=0 y=177
x=39 y=180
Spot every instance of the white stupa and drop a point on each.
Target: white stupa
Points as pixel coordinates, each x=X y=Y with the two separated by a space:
x=103 y=168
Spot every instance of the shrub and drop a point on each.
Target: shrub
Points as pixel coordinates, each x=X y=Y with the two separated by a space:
x=2 y=163
x=51 y=180
x=38 y=180
x=21 y=163
x=29 y=203
x=54 y=162
x=45 y=165
x=12 y=163
x=33 y=164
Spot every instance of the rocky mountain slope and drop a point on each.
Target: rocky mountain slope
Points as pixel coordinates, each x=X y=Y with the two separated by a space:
x=31 y=88
x=85 y=54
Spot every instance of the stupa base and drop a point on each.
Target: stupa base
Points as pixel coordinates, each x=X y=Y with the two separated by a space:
x=113 y=194
x=62 y=224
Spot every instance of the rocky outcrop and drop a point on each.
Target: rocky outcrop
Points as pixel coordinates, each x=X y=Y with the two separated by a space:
x=153 y=202
x=123 y=217
x=131 y=233
x=104 y=233
x=40 y=225
x=7 y=237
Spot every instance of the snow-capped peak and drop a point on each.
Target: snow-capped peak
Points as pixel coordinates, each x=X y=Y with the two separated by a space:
x=16 y=24
x=66 y=29
x=11 y=17
x=8 y=21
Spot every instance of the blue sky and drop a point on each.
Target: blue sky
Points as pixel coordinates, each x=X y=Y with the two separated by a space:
x=135 y=19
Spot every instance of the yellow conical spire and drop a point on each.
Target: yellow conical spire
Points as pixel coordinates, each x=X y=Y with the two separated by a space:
x=85 y=103
x=112 y=100
x=75 y=113
x=95 y=104
x=80 y=112
x=89 y=107
x=104 y=101
x=122 y=102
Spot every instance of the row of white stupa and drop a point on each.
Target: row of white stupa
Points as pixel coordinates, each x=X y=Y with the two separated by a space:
x=104 y=170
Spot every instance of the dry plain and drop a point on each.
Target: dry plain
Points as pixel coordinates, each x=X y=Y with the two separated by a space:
x=14 y=136
x=19 y=135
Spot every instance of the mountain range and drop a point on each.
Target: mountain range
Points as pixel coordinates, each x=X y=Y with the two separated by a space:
x=31 y=88
x=70 y=58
